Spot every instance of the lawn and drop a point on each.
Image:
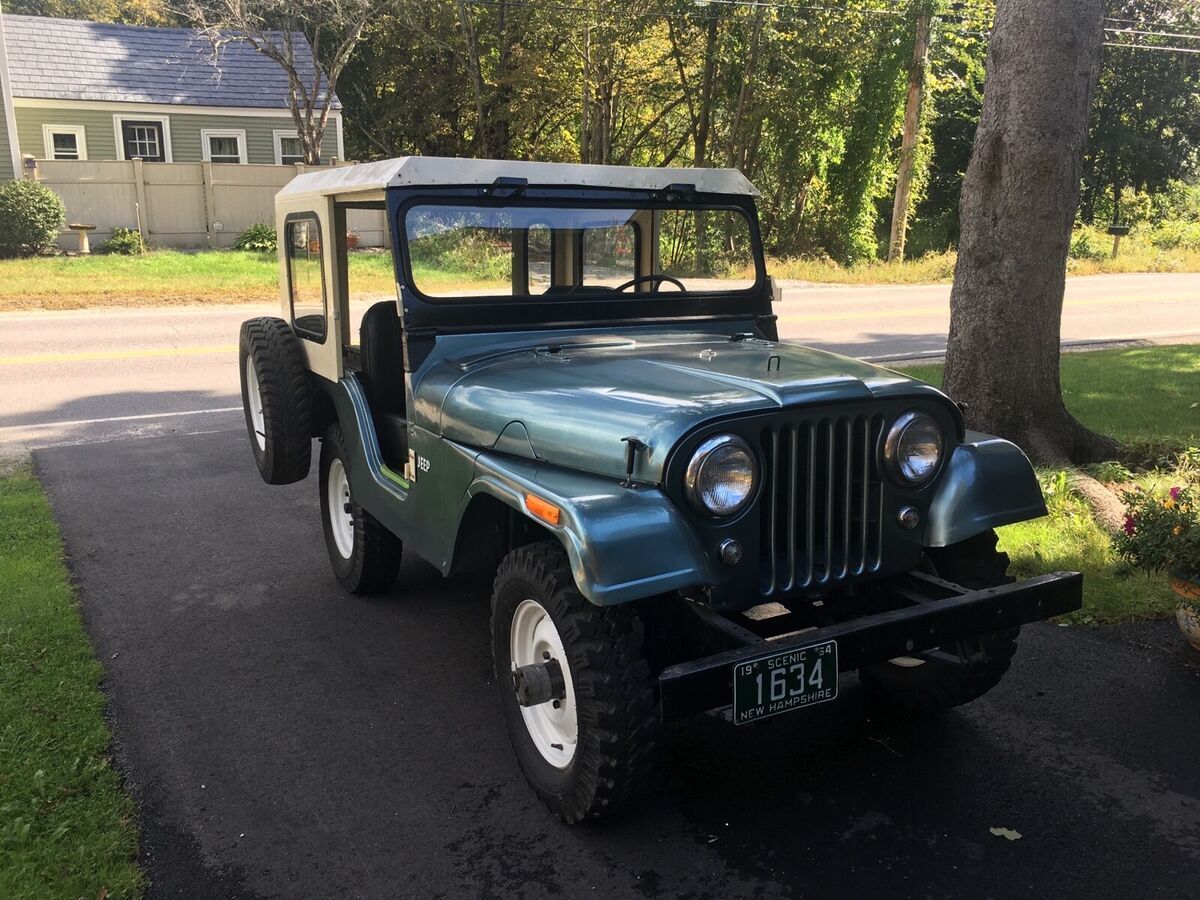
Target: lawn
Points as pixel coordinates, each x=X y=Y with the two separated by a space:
x=164 y=277
x=1139 y=395
x=172 y=277
x=66 y=825
x=1148 y=251
x=1146 y=397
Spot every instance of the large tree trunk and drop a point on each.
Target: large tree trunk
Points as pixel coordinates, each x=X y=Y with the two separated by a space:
x=1018 y=204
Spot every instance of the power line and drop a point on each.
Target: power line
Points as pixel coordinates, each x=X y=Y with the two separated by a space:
x=1153 y=47
x=838 y=9
x=1163 y=34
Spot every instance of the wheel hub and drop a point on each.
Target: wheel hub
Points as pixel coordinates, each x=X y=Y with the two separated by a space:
x=539 y=661
x=254 y=399
x=341 y=516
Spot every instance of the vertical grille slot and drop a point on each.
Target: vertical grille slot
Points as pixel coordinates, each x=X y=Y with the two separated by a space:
x=822 y=515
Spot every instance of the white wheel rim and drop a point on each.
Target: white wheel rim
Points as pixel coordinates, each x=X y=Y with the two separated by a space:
x=555 y=731
x=254 y=398
x=341 y=522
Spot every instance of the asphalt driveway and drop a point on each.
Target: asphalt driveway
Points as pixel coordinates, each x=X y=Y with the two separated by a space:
x=283 y=739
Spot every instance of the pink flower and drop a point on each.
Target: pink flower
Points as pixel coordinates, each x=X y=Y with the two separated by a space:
x=1129 y=524
x=1175 y=493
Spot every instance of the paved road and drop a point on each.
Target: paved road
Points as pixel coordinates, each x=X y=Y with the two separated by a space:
x=283 y=739
x=67 y=377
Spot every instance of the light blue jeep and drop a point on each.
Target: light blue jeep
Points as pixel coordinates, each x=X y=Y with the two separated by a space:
x=579 y=387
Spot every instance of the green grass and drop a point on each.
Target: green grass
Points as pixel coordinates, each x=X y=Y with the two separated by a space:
x=1070 y=540
x=66 y=826
x=172 y=277
x=164 y=277
x=1140 y=395
x=1165 y=249
x=1144 y=396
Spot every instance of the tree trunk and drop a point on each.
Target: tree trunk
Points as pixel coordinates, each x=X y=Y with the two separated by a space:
x=908 y=144
x=1018 y=204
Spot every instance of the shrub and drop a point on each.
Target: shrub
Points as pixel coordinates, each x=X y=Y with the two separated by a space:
x=258 y=238
x=123 y=242
x=31 y=218
x=1176 y=235
x=1162 y=534
x=1089 y=243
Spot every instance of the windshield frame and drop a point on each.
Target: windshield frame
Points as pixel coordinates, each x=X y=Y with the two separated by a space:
x=500 y=312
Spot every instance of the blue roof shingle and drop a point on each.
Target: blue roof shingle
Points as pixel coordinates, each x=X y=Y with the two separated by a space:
x=68 y=59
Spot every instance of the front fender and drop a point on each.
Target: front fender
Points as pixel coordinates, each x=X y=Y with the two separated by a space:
x=988 y=482
x=623 y=543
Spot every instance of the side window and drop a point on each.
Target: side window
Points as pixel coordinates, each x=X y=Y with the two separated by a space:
x=306 y=279
x=609 y=255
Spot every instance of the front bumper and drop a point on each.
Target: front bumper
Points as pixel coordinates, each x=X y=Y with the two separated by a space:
x=941 y=613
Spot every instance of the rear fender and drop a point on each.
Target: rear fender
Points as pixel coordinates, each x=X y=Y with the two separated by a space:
x=988 y=482
x=623 y=543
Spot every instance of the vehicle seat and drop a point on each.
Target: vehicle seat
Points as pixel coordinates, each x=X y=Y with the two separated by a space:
x=383 y=379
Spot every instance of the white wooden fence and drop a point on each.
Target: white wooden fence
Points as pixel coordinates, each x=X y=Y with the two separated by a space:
x=186 y=205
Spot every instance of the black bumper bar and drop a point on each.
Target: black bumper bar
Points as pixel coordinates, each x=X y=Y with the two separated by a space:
x=941 y=613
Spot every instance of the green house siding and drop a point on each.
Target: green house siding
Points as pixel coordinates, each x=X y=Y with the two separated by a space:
x=6 y=165
x=185 y=131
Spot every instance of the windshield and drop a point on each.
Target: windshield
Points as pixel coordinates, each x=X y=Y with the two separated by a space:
x=555 y=252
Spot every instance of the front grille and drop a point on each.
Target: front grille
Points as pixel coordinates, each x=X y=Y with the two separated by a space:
x=822 y=506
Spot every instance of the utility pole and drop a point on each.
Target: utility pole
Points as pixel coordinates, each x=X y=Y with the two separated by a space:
x=908 y=144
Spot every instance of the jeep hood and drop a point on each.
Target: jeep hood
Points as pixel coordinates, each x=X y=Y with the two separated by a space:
x=570 y=404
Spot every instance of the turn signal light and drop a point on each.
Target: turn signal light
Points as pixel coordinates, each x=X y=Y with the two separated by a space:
x=543 y=509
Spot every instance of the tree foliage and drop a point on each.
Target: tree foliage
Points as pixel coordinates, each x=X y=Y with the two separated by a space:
x=129 y=12
x=806 y=99
x=285 y=31
x=1145 y=126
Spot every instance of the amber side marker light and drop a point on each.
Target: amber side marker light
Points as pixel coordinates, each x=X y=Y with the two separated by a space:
x=543 y=509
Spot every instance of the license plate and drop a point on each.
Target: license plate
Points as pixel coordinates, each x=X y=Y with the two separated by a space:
x=783 y=682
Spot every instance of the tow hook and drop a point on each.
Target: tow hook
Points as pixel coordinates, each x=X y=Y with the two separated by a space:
x=539 y=683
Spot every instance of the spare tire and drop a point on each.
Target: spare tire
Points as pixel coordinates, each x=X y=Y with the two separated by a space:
x=276 y=400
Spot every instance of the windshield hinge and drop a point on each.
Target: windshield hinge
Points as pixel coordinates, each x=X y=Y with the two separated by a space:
x=633 y=447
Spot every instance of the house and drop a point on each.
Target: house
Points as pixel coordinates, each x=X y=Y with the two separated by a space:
x=75 y=90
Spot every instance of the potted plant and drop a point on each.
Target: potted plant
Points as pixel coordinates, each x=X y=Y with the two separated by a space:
x=1162 y=534
x=352 y=238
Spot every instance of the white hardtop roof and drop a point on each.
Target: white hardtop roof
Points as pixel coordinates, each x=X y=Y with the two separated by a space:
x=419 y=171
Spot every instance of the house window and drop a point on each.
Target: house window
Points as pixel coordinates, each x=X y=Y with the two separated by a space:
x=64 y=141
x=145 y=138
x=223 y=146
x=288 y=150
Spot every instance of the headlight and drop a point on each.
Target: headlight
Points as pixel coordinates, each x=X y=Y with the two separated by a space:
x=721 y=476
x=914 y=447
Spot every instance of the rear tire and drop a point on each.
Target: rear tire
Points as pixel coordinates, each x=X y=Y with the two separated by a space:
x=594 y=754
x=276 y=400
x=936 y=684
x=365 y=556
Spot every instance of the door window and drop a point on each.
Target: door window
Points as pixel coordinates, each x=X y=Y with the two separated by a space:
x=306 y=277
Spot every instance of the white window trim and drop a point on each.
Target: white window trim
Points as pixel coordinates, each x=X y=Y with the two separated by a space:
x=118 y=118
x=206 y=133
x=277 y=136
x=48 y=132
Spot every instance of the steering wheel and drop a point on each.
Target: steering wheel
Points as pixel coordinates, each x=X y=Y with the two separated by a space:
x=656 y=277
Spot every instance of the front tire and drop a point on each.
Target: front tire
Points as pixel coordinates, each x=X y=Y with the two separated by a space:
x=924 y=685
x=591 y=752
x=365 y=556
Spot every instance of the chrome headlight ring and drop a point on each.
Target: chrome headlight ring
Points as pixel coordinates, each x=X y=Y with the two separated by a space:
x=914 y=448
x=721 y=476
